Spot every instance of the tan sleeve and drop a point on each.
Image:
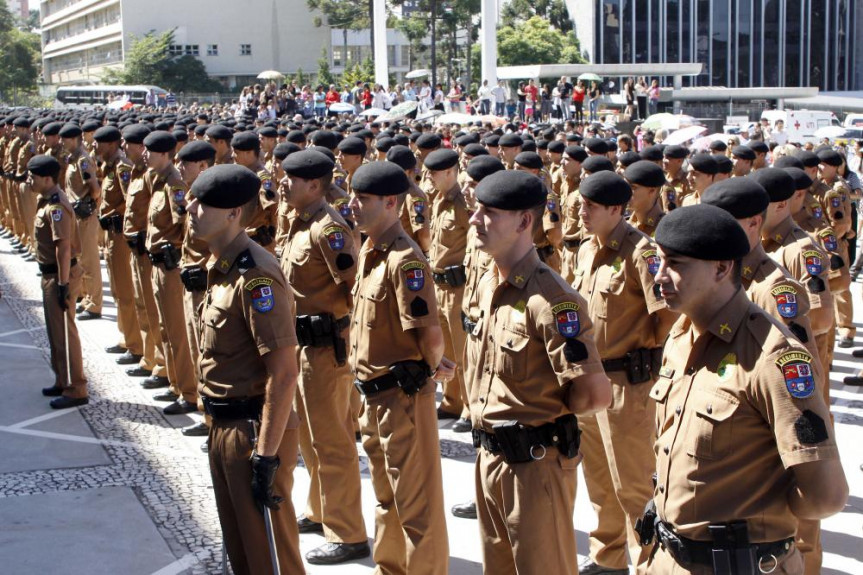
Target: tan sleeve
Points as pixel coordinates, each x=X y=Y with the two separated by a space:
x=551 y=216
x=413 y=289
x=61 y=222
x=268 y=308
x=566 y=329
x=646 y=263
x=337 y=247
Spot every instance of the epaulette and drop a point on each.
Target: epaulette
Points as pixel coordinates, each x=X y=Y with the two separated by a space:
x=245 y=262
x=54 y=199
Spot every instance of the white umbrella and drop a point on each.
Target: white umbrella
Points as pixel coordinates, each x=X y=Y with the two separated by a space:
x=683 y=135
x=270 y=75
x=455 y=118
x=830 y=132
x=399 y=112
x=373 y=112
x=703 y=143
x=428 y=115
x=667 y=121
x=421 y=73
x=342 y=108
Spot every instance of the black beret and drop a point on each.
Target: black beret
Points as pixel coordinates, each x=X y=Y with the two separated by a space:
x=779 y=185
x=651 y=153
x=365 y=134
x=428 y=141
x=830 y=157
x=201 y=129
x=758 y=147
x=135 y=133
x=675 y=152
x=529 y=160
x=414 y=136
x=402 y=157
x=542 y=144
x=492 y=140
x=576 y=153
x=353 y=146
x=743 y=152
x=296 y=136
x=482 y=166
x=325 y=139
x=384 y=144
x=285 y=149
x=268 y=132
x=574 y=137
x=197 y=151
x=511 y=190
x=380 y=179
x=44 y=166
x=740 y=197
x=606 y=188
x=308 y=164
x=21 y=122
x=724 y=165
x=181 y=135
x=596 y=145
x=463 y=141
x=528 y=146
x=556 y=147
x=226 y=186
x=788 y=162
x=70 y=130
x=474 y=150
x=160 y=142
x=717 y=146
x=107 y=134
x=325 y=151
x=645 y=173
x=626 y=159
x=218 y=132
x=704 y=163
x=510 y=141
x=246 y=141
x=401 y=140
x=442 y=159
x=612 y=145
x=595 y=164
x=703 y=232
x=809 y=159
x=51 y=129
x=802 y=181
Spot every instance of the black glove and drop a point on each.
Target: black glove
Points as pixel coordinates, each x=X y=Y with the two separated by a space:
x=63 y=296
x=263 y=474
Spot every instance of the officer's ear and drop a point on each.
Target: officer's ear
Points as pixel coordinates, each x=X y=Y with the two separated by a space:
x=725 y=269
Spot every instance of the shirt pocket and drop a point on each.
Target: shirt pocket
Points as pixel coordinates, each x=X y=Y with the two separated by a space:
x=157 y=204
x=214 y=321
x=375 y=297
x=511 y=363
x=609 y=292
x=713 y=425
x=659 y=393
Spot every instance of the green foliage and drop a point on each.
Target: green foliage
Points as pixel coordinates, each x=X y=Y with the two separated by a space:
x=300 y=78
x=19 y=58
x=325 y=76
x=361 y=72
x=519 y=11
x=347 y=14
x=535 y=42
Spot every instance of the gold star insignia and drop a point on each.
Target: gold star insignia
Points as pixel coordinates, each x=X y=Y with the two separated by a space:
x=519 y=279
x=384 y=246
x=650 y=221
x=724 y=328
x=306 y=215
x=778 y=238
x=613 y=243
x=747 y=271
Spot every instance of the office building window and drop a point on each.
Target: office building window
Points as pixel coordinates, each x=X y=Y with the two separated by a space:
x=192 y=50
x=175 y=49
x=212 y=49
x=245 y=49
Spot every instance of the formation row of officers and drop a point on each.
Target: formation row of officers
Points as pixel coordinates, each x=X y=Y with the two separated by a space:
x=669 y=331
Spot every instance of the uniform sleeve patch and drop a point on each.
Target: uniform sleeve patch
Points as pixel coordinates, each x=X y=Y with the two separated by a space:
x=829 y=239
x=574 y=350
x=335 y=237
x=267 y=183
x=56 y=214
x=262 y=294
x=817 y=212
x=835 y=202
x=652 y=259
x=810 y=428
x=786 y=300
x=85 y=165
x=178 y=193
x=814 y=265
x=414 y=276
x=344 y=262
x=796 y=368
x=551 y=203
x=125 y=175
x=419 y=206
x=419 y=307
x=566 y=317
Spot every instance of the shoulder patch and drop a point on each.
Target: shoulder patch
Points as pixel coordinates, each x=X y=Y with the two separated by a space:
x=85 y=165
x=267 y=183
x=419 y=206
x=125 y=175
x=178 y=193
x=796 y=368
x=335 y=237
x=414 y=275
x=551 y=202
x=566 y=317
x=245 y=262
x=262 y=294
x=786 y=300
x=814 y=265
x=652 y=259
x=342 y=205
x=829 y=239
x=57 y=214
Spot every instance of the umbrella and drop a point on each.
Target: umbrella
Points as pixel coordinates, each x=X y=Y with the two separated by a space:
x=703 y=143
x=455 y=118
x=496 y=121
x=421 y=73
x=342 y=108
x=666 y=121
x=684 y=135
x=399 y=112
x=830 y=132
x=270 y=75
x=590 y=77
x=373 y=112
x=428 y=115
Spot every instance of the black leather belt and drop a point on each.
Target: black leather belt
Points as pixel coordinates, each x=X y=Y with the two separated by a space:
x=376 y=385
x=545 y=251
x=544 y=435
x=48 y=269
x=623 y=363
x=572 y=244
x=228 y=409
x=690 y=552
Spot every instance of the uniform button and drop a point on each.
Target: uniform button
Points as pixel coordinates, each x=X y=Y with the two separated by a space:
x=665 y=450
x=491 y=338
x=690 y=371
x=509 y=342
x=482 y=400
x=662 y=489
x=709 y=408
x=677 y=410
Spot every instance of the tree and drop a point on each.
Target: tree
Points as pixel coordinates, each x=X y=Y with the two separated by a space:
x=536 y=42
x=19 y=64
x=361 y=72
x=416 y=29
x=344 y=14
x=324 y=75
x=519 y=11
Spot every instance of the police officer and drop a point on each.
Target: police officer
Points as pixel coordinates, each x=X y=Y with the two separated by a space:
x=262 y=227
x=58 y=248
x=570 y=202
x=737 y=414
x=396 y=344
x=743 y=158
x=537 y=366
x=415 y=207
x=646 y=180
x=319 y=261
x=700 y=174
x=26 y=199
x=248 y=371
x=549 y=238
x=220 y=138
x=672 y=161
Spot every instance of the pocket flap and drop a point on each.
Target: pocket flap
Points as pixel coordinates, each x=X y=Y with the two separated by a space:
x=715 y=407
x=660 y=389
x=513 y=340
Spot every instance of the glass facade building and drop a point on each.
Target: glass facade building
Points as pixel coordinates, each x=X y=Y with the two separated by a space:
x=742 y=43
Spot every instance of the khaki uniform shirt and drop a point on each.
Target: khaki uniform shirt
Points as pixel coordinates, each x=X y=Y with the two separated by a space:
x=55 y=221
x=25 y=152
x=476 y=263
x=811 y=217
x=571 y=203
x=736 y=410
x=536 y=338
x=449 y=225
x=837 y=205
x=266 y=213
x=58 y=153
x=137 y=201
x=393 y=294
x=414 y=211
x=167 y=213
x=681 y=186
x=79 y=171
x=10 y=160
x=551 y=219
x=116 y=172
x=651 y=220
x=247 y=313
x=617 y=281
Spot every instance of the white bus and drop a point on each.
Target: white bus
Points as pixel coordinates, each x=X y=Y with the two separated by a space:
x=103 y=95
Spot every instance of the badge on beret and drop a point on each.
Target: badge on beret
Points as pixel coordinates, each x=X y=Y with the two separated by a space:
x=835 y=202
x=813 y=262
x=829 y=239
x=56 y=214
x=335 y=237
x=817 y=212
x=566 y=314
x=727 y=366
x=262 y=294
x=796 y=368
x=786 y=300
x=125 y=175
x=415 y=275
x=652 y=260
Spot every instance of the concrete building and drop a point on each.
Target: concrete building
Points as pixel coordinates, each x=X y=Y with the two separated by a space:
x=20 y=8
x=399 y=57
x=234 y=40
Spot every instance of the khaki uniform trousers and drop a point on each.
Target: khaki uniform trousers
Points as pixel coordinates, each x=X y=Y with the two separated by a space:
x=148 y=315
x=54 y=323
x=242 y=524
x=89 y=230
x=15 y=210
x=400 y=436
x=168 y=290
x=662 y=563
x=28 y=215
x=117 y=259
x=449 y=300
x=191 y=304
x=525 y=514
x=328 y=446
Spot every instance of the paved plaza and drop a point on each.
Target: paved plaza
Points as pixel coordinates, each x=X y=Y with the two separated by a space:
x=113 y=487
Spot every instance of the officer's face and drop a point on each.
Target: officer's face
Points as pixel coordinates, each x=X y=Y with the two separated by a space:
x=190 y=171
x=508 y=154
x=698 y=180
x=39 y=184
x=642 y=196
x=741 y=166
x=349 y=162
x=70 y=144
x=827 y=172
x=685 y=283
x=497 y=230
x=300 y=192
x=597 y=218
x=672 y=165
x=207 y=222
x=571 y=168
x=135 y=152
x=367 y=209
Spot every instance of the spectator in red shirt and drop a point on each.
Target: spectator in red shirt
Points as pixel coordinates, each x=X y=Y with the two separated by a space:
x=532 y=93
x=332 y=97
x=367 y=97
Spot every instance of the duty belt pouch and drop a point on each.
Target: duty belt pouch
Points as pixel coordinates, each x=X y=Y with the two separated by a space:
x=673 y=543
x=455 y=275
x=84 y=207
x=732 y=552
x=117 y=223
x=322 y=329
x=638 y=366
x=141 y=243
x=411 y=375
x=304 y=330
x=513 y=440
x=567 y=435
x=645 y=526
x=104 y=222
x=172 y=257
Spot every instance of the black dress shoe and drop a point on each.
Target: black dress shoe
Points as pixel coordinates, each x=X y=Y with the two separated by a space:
x=155 y=382
x=128 y=358
x=115 y=349
x=64 y=402
x=79 y=309
x=855 y=380
x=845 y=342
x=465 y=510
x=197 y=430
x=29 y=258
x=180 y=407
x=88 y=315
x=335 y=553
x=306 y=525
x=462 y=425
x=441 y=414
x=52 y=391
x=138 y=372
x=857 y=353
x=166 y=395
